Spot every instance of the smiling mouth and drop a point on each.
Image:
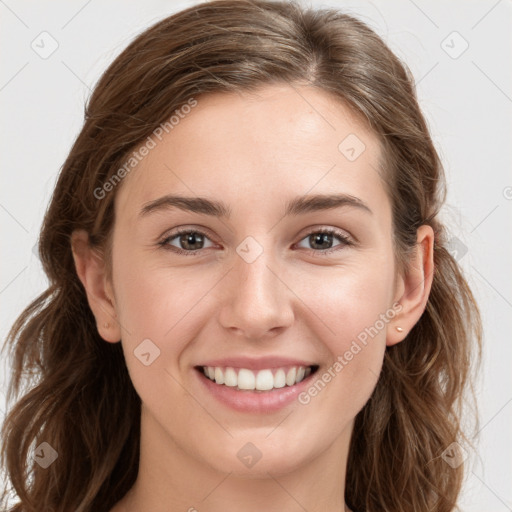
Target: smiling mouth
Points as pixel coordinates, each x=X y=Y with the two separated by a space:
x=265 y=380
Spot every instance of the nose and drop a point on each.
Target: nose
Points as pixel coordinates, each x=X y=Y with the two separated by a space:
x=258 y=302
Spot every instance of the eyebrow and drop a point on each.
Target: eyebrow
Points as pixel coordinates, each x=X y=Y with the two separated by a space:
x=298 y=206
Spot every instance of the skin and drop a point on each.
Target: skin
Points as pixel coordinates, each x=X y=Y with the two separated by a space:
x=254 y=152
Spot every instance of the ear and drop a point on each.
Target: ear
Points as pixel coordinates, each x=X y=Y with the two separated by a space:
x=91 y=270
x=414 y=287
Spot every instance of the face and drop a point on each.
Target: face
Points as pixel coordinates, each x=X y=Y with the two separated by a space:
x=258 y=282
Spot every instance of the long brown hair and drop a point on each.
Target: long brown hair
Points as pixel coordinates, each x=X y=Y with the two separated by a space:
x=77 y=393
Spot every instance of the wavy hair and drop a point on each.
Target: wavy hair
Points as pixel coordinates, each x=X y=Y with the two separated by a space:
x=72 y=389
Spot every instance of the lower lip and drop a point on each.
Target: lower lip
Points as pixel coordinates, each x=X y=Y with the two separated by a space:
x=255 y=401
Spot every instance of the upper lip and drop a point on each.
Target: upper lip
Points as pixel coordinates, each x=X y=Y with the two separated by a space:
x=260 y=363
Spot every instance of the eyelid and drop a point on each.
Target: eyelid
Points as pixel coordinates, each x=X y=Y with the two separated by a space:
x=322 y=228
x=187 y=229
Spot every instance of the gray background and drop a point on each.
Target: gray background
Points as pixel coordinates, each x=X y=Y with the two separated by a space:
x=466 y=95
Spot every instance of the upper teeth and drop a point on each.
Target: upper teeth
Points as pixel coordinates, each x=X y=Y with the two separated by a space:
x=263 y=380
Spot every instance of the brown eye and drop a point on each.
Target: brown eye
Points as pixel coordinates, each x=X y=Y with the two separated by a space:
x=322 y=240
x=189 y=241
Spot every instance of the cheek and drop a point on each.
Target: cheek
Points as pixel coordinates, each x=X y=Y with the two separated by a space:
x=350 y=298
x=157 y=314
x=162 y=312
x=354 y=310
x=154 y=299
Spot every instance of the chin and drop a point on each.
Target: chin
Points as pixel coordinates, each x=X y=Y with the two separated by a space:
x=256 y=459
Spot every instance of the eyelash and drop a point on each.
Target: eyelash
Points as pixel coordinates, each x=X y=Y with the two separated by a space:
x=324 y=252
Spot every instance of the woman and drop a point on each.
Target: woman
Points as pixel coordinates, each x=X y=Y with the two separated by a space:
x=251 y=303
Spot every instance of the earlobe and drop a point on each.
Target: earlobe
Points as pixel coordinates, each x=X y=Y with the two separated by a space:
x=414 y=288
x=91 y=271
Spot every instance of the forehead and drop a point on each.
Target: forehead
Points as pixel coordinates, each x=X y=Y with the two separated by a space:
x=265 y=146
